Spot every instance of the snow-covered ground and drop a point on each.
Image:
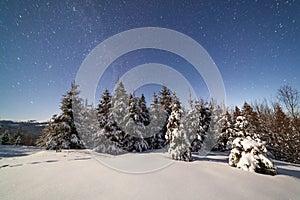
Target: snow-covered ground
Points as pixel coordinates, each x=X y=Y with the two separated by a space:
x=16 y=151
x=29 y=173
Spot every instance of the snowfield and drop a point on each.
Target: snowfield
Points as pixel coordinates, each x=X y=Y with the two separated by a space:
x=31 y=173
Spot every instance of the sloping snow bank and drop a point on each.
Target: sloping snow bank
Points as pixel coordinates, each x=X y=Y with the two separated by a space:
x=79 y=175
x=13 y=151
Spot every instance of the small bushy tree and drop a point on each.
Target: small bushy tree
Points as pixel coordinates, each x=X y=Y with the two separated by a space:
x=248 y=152
x=6 y=138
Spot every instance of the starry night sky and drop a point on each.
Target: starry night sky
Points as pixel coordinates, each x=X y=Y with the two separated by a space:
x=255 y=44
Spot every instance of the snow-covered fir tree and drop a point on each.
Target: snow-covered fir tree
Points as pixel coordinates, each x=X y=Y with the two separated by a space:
x=133 y=108
x=248 y=152
x=61 y=131
x=53 y=135
x=105 y=137
x=87 y=124
x=17 y=137
x=134 y=127
x=251 y=116
x=215 y=127
x=224 y=126
x=179 y=148
x=6 y=138
x=236 y=113
x=102 y=143
x=119 y=104
x=143 y=111
x=197 y=123
x=71 y=107
x=104 y=109
x=134 y=139
x=116 y=123
x=158 y=119
x=193 y=128
x=166 y=99
x=47 y=136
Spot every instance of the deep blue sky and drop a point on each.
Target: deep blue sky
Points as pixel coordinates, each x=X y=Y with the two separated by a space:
x=255 y=44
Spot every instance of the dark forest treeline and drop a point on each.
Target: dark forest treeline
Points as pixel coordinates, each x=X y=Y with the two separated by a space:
x=20 y=133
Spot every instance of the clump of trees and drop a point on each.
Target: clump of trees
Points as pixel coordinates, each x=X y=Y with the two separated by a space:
x=18 y=137
x=122 y=122
x=277 y=124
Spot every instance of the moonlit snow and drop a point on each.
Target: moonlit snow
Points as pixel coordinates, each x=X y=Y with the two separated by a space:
x=78 y=174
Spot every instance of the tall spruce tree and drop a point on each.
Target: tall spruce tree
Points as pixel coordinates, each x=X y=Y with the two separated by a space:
x=106 y=138
x=104 y=109
x=283 y=147
x=158 y=119
x=119 y=105
x=143 y=111
x=197 y=122
x=100 y=136
x=251 y=116
x=134 y=127
x=87 y=125
x=225 y=126
x=61 y=131
x=193 y=127
x=176 y=135
x=205 y=119
x=166 y=99
x=133 y=108
x=117 y=119
x=215 y=127
x=236 y=113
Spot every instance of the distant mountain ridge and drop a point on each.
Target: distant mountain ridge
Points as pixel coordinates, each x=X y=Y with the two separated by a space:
x=32 y=127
